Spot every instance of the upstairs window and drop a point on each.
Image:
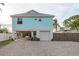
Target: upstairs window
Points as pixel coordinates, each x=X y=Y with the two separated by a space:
x=40 y=20
x=35 y=18
x=19 y=21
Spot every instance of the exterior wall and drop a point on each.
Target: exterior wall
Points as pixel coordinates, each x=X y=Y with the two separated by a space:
x=32 y=24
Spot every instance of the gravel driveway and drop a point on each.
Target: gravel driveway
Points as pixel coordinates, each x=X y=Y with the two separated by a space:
x=40 y=48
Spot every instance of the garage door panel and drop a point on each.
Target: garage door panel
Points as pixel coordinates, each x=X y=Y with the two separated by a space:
x=45 y=35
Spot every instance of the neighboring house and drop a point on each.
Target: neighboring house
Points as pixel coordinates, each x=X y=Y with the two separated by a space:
x=33 y=23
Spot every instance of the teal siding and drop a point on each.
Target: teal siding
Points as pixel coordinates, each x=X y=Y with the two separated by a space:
x=30 y=23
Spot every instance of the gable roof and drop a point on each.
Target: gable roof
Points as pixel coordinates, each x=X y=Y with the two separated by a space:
x=32 y=13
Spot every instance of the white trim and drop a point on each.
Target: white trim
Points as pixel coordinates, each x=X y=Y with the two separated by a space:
x=31 y=29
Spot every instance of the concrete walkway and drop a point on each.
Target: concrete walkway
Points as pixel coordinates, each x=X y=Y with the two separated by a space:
x=40 y=48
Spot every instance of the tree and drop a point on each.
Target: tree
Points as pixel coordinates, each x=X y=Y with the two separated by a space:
x=55 y=22
x=72 y=22
x=4 y=30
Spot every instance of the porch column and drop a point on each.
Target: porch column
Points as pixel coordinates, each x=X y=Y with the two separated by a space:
x=13 y=35
x=21 y=35
x=51 y=34
x=32 y=33
x=38 y=34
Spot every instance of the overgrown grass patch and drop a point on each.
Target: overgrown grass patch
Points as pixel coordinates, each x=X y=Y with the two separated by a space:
x=5 y=42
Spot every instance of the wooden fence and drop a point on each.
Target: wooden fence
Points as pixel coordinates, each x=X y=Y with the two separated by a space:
x=66 y=37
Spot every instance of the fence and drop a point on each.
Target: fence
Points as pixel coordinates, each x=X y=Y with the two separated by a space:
x=5 y=36
x=66 y=36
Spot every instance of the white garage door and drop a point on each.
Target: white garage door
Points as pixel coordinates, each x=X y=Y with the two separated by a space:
x=45 y=35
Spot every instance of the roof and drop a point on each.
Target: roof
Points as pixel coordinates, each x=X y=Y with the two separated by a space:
x=32 y=13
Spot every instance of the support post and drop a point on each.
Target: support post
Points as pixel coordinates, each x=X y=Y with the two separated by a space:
x=38 y=34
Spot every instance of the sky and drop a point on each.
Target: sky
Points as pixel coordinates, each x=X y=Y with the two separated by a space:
x=61 y=10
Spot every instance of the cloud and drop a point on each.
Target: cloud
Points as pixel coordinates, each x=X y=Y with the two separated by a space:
x=60 y=10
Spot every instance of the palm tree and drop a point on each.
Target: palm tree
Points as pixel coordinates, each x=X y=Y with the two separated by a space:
x=55 y=23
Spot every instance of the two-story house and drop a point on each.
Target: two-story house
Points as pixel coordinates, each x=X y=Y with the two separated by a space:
x=33 y=23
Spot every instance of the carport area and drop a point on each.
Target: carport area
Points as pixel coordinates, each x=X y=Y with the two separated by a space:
x=42 y=35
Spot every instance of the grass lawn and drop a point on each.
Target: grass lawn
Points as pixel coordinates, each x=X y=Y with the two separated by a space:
x=3 y=43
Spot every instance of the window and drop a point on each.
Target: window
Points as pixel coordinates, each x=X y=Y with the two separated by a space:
x=35 y=18
x=19 y=21
x=40 y=19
